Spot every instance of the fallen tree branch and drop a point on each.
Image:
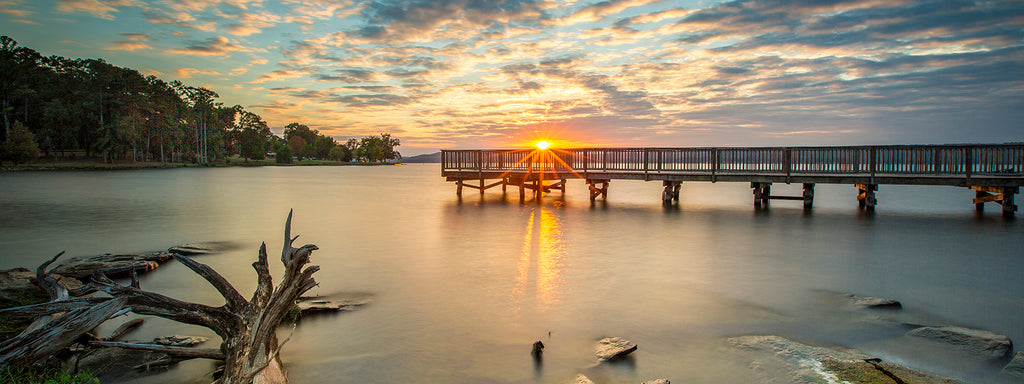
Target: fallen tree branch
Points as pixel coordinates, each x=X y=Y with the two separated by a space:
x=123 y=329
x=43 y=309
x=181 y=352
x=29 y=346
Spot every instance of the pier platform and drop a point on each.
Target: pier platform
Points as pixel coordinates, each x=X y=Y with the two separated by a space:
x=994 y=171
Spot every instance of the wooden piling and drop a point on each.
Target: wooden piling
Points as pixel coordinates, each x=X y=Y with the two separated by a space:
x=866 y=196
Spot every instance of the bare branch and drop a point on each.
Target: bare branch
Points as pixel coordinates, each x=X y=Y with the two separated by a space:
x=184 y=352
x=286 y=248
x=234 y=299
x=52 y=285
x=264 y=281
x=149 y=303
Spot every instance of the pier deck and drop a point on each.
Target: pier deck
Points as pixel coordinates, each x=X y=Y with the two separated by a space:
x=994 y=171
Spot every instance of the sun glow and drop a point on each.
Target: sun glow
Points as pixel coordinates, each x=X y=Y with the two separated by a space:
x=543 y=144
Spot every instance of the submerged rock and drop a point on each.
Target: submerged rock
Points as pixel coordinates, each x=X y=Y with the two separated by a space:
x=868 y=302
x=807 y=364
x=613 y=348
x=1015 y=368
x=110 y=264
x=580 y=379
x=180 y=341
x=981 y=343
x=876 y=371
x=333 y=303
x=657 y=381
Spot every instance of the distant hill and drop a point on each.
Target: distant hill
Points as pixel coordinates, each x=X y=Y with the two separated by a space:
x=427 y=158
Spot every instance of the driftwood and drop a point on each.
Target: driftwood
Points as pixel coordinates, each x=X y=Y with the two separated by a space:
x=56 y=334
x=247 y=327
x=55 y=330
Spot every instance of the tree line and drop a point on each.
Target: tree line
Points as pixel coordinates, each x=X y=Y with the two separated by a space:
x=58 y=107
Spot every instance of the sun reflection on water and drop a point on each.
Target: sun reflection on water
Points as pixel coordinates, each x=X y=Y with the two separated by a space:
x=540 y=261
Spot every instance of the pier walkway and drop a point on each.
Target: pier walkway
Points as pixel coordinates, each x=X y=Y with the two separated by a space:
x=994 y=171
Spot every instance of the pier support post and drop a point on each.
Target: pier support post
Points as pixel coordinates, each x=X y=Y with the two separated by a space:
x=762 y=193
x=866 y=196
x=1008 y=207
x=458 y=188
x=671 y=192
x=1000 y=195
x=808 y=195
x=595 y=190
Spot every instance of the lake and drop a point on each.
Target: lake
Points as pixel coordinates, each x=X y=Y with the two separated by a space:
x=461 y=289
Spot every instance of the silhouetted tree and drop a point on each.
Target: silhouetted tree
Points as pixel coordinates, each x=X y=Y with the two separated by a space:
x=21 y=145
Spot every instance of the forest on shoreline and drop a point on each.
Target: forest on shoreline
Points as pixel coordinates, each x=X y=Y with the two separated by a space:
x=59 y=109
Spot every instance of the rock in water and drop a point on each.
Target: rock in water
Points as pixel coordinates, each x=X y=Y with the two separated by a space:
x=580 y=379
x=657 y=381
x=613 y=348
x=978 y=342
x=1015 y=368
x=869 y=302
x=180 y=341
x=335 y=303
x=808 y=364
x=538 y=349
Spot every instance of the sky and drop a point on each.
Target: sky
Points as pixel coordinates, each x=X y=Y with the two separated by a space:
x=447 y=74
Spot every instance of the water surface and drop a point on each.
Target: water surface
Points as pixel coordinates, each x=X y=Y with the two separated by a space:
x=463 y=288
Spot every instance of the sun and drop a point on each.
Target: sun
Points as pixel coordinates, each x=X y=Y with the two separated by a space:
x=543 y=144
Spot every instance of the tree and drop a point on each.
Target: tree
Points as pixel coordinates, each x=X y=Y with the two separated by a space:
x=297 y=144
x=21 y=145
x=340 y=153
x=253 y=136
x=379 y=148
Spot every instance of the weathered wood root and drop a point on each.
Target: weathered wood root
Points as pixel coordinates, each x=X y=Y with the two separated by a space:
x=250 y=348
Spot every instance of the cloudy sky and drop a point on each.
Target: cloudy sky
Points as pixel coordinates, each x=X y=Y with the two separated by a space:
x=495 y=74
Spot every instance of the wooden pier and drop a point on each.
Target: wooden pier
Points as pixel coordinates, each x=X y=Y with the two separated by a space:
x=994 y=171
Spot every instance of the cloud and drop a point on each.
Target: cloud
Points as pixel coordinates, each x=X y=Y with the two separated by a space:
x=242 y=30
x=186 y=73
x=96 y=8
x=215 y=46
x=20 y=13
x=281 y=75
x=128 y=46
x=399 y=20
x=136 y=36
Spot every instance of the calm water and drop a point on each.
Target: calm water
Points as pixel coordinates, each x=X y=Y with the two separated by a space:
x=461 y=289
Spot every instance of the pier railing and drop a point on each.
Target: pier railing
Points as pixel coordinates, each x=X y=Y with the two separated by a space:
x=919 y=160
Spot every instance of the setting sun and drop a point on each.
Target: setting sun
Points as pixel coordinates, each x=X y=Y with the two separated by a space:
x=543 y=144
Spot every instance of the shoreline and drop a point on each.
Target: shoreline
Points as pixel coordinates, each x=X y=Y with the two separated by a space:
x=119 y=166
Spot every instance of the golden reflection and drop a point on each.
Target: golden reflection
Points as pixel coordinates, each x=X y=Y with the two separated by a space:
x=540 y=261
